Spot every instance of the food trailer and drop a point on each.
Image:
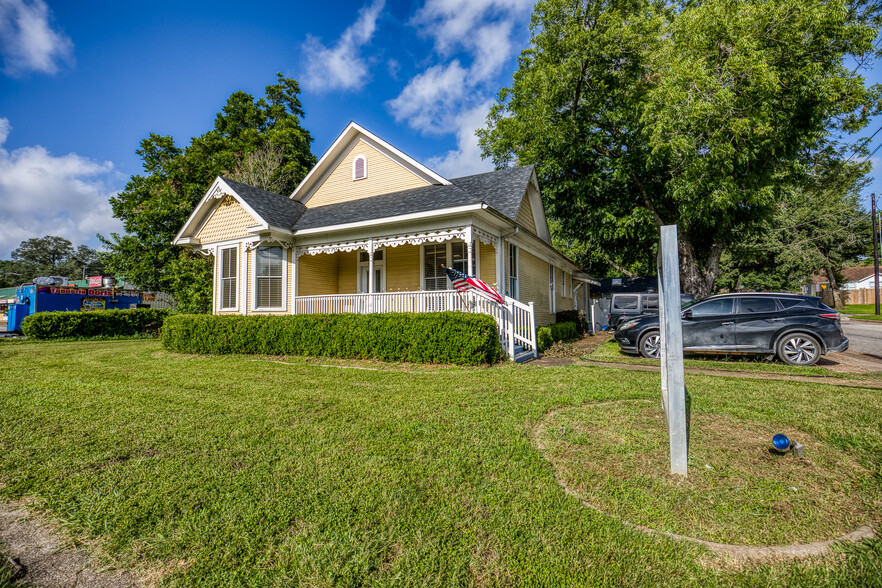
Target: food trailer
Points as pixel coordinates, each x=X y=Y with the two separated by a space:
x=34 y=298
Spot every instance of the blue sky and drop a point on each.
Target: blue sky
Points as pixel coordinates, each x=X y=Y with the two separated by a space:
x=83 y=82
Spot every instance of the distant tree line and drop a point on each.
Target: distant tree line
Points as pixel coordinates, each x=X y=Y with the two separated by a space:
x=49 y=256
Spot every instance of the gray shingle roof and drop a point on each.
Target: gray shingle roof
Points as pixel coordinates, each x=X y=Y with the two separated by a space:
x=275 y=209
x=502 y=190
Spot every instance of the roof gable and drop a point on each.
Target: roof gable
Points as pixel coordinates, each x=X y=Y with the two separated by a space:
x=382 y=175
x=227 y=220
x=264 y=208
x=343 y=146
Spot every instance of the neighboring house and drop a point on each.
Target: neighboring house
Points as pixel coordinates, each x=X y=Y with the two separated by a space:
x=857 y=286
x=858 y=278
x=369 y=229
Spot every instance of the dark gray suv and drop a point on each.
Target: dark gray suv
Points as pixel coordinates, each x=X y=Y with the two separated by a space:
x=798 y=329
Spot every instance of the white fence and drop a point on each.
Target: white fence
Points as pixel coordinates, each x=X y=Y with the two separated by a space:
x=516 y=321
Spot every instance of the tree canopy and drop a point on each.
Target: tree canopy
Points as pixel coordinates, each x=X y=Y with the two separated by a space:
x=248 y=134
x=642 y=113
x=817 y=227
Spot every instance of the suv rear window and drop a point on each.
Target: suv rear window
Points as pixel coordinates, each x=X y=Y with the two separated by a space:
x=625 y=303
x=753 y=304
x=810 y=302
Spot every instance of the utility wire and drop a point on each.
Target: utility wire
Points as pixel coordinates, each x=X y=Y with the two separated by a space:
x=833 y=232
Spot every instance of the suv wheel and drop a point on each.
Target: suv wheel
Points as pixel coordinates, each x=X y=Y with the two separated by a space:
x=799 y=349
x=650 y=345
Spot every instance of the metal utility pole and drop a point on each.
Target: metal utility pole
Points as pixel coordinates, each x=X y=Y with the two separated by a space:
x=875 y=251
x=672 y=381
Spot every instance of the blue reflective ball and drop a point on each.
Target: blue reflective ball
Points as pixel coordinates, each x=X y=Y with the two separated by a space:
x=781 y=442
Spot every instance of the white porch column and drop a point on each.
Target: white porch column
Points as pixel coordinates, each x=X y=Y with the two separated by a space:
x=294 y=265
x=370 y=275
x=500 y=267
x=469 y=238
x=371 y=266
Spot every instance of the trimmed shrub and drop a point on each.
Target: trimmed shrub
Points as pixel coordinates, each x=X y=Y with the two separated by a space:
x=573 y=316
x=95 y=323
x=443 y=337
x=547 y=335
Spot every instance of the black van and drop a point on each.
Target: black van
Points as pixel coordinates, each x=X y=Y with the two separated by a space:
x=628 y=305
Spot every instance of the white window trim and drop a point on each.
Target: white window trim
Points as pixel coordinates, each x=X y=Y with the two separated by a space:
x=285 y=254
x=364 y=159
x=448 y=255
x=516 y=293
x=551 y=289
x=220 y=273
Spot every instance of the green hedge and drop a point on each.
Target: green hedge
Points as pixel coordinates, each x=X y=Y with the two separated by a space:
x=555 y=332
x=444 y=337
x=95 y=323
x=573 y=316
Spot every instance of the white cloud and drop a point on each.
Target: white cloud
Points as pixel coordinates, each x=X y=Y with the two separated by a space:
x=431 y=101
x=342 y=67
x=452 y=23
x=476 y=37
x=27 y=40
x=41 y=194
x=466 y=158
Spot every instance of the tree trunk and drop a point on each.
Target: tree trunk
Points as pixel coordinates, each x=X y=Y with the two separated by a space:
x=698 y=278
x=835 y=302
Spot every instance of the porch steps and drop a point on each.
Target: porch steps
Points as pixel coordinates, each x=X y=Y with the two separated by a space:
x=521 y=354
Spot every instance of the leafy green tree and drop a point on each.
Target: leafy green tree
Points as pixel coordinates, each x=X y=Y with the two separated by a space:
x=48 y=256
x=155 y=205
x=46 y=253
x=642 y=113
x=818 y=227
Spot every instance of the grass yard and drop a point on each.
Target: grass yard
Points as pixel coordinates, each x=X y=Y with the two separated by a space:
x=611 y=352
x=864 y=312
x=248 y=471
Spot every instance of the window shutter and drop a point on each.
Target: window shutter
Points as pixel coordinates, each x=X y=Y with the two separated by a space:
x=359 y=170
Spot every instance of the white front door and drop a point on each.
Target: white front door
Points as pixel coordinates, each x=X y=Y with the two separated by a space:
x=364 y=269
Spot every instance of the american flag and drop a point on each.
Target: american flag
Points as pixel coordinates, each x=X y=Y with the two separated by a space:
x=462 y=282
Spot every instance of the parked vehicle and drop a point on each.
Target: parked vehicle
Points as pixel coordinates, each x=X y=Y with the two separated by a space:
x=798 y=329
x=625 y=306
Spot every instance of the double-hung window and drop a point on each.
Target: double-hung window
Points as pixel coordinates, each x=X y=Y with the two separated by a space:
x=513 y=271
x=229 y=265
x=551 y=292
x=451 y=254
x=268 y=274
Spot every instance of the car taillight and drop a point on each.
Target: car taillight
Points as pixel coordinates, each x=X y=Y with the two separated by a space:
x=834 y=315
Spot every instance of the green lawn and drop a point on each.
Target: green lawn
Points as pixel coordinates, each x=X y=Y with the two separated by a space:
x=866 y=312
x=246 y=471
x=611 y=352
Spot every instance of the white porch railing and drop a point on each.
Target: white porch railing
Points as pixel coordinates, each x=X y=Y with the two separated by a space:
x=516 y=321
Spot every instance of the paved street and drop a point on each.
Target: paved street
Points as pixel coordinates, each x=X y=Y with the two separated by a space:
x=864 y=348
x=864 y=337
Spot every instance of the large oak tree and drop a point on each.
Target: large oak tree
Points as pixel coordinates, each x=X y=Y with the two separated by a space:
x=641 y=113
x=256 y=141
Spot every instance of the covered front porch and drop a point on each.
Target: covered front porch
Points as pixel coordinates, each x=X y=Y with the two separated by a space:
x=405 y=273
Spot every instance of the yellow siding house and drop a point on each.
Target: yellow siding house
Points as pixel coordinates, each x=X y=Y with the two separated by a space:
x=370 y=229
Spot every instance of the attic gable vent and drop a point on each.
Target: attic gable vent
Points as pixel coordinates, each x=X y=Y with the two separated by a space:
x=359 y=167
